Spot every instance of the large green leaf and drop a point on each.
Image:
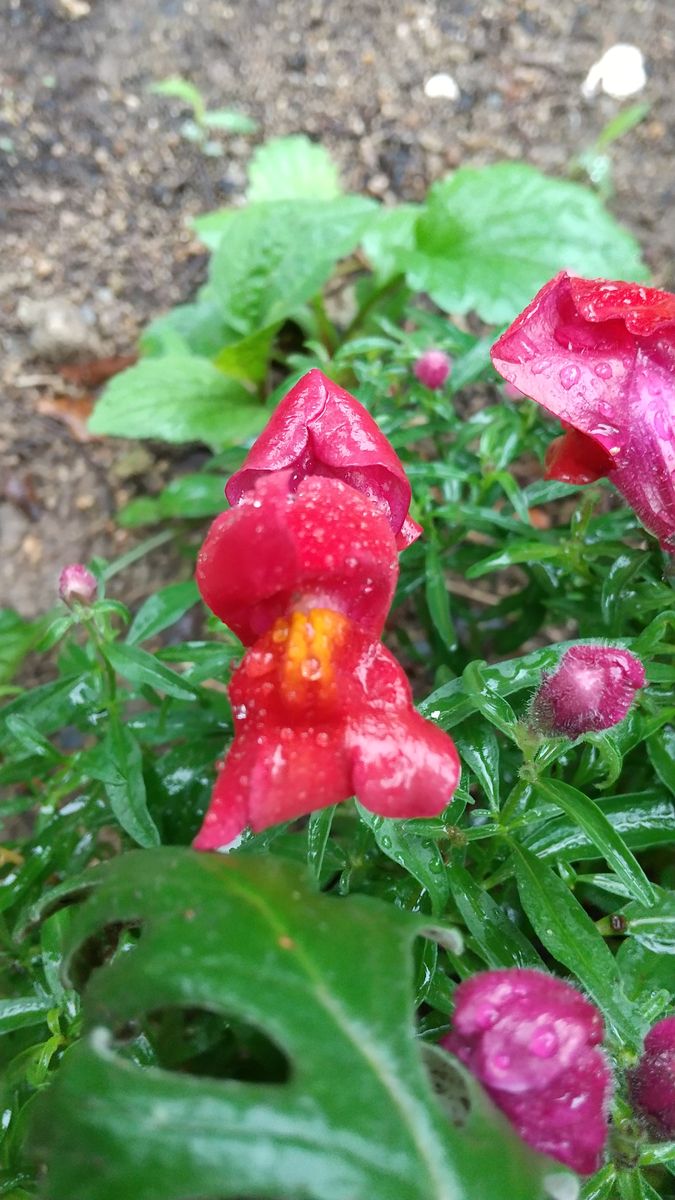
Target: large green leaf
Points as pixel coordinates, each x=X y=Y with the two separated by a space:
x=491 y=237
x=276 y=255
x=292 y=168
x=178 y=398
x=330 y=983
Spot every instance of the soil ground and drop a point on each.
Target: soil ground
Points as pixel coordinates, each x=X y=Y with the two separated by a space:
x=97 y=185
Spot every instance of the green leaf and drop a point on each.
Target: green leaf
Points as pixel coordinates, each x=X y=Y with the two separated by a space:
x=438 y=596
x=162 y=609
x=17 y=639
x=391 y=233
x=568 y=933
x=479 y=749
x=499 y=940
x=178 y=398
x=117 y=763
x=246 y=358
x=661 y=751
x=51 y=705
x=516 y=552
x=642 y=819
x=180 y=89
x=491 y=237
x=276 y=255
x=144 y=669
x=419 y=856
x=644 y=971
x=653 y=926
x=602 y=833
x=292 y=168
x=330 y=983
x=198 y=328
x=23 y=1010
x=190 y=496
x=228 y=120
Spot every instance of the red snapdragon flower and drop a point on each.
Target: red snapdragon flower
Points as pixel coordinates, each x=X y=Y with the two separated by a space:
x=600 y=355
x=592 y=688
x=533 y=1042
x=320 y=429
x=323 y=542
x=652 y=1082
x=323 y=712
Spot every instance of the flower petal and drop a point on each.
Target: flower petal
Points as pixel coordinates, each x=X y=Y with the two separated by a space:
x=325 y=543
x=600 y=355
x=320 y=429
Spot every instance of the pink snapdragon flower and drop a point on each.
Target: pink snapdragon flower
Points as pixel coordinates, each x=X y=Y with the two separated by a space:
x=533 y=1041
x=321 y=429
x=652 y=1083
x=592 y=688
x=600 y=355
x=77 y=585
x=433 y=368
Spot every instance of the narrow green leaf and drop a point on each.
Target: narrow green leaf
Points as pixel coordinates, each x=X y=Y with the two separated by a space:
x=661 y=751
x=479 y=749
x=141 y=668
x=22 y=1011
x=162 y=609
x=499 y=940
x=438 y=596
x=586 y=814
x=642 y=819
x=516 y=552
x=653 y=926
x=117 y=763
x=568 y=933
x=420 y=856
x=318 y=832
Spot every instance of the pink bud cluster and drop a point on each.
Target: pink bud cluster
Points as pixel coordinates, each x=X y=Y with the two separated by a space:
x=652 y=1083
x=533 y=1041
x=77 y=585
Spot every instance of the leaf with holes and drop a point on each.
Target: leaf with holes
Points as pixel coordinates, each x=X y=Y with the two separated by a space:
x=329 y=983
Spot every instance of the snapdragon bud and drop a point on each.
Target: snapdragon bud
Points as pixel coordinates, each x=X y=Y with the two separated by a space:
x=652 y=1083
x=592 y=689
x=533 y=1042
x=433 y=368
x=77 y=585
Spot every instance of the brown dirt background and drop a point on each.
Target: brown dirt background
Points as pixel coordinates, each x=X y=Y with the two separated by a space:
x=96 y=183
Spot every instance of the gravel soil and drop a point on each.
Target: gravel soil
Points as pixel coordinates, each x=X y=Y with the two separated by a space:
x=97 y=186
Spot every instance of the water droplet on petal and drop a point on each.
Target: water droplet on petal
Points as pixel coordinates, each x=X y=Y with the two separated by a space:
x=310 y=668
x=569 y=376
x=544 y=1044
x=603 y=370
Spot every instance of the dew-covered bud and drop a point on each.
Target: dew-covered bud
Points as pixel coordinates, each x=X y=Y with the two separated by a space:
x=77 y=585
x=652 y=1083
x=433 y=368
x=592 y=689
x=533 y=1042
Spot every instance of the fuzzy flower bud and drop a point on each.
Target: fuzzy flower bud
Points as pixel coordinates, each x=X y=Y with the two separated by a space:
x=533 y=1042
x=652 y=1083
x=77 y=585
x=433 y=368
x=592 y=689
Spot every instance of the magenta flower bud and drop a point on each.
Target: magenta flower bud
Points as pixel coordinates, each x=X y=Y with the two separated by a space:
x=592 y=689
x=652 y=1083
x=433 y=368
x=533 y=1042
x=77 y=585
